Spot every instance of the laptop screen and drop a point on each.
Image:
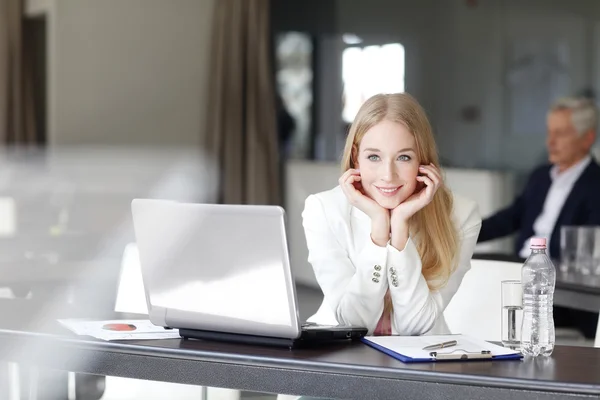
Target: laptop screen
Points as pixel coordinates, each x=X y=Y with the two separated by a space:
x=217 y=267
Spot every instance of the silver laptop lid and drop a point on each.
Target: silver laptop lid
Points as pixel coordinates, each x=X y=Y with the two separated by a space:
x=216 y=267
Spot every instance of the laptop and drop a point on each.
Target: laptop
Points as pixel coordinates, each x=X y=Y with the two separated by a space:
x=222 y=272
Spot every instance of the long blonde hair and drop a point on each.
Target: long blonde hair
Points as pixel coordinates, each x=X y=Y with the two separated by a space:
x=431 y=228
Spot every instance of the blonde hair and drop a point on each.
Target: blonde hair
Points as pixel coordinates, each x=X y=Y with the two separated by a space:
x=431 y=228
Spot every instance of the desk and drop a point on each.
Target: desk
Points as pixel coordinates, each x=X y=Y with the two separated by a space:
x=577 y=291
x=340 y=371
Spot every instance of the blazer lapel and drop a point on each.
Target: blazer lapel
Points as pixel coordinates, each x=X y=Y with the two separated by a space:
x=576 y=196
x=574 y=199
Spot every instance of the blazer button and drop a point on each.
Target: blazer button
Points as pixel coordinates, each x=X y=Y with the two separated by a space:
x=375 y=280
x=393 y=270
x=376 y=274
x=377 y=267
x=395 y=282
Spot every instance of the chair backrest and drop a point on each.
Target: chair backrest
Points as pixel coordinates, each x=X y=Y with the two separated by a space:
x=131 y=297
x=476 y=308
x=597 y=341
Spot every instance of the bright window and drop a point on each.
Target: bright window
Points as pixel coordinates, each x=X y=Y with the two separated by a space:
x=369 y=70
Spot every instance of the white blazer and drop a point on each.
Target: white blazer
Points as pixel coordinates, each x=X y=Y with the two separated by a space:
x=354 y=273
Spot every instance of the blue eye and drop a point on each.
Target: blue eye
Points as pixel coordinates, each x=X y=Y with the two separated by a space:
x=373 y=157
x=404 y=158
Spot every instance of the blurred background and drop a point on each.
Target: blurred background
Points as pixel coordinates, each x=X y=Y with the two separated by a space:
x=249 y=101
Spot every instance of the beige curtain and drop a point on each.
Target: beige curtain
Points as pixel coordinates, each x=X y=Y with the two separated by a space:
x=17 y=119
x=242 y=121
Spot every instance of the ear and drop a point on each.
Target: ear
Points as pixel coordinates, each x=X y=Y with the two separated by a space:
x=354 y=157
x=589 y=138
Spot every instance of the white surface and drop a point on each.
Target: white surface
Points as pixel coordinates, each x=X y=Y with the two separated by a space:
x=144 y=330
x=476 y=309
x=412 y=346
x=492 y=191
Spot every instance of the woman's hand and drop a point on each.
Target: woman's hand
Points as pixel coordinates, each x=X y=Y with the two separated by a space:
x=350 y=182
x=431 y=180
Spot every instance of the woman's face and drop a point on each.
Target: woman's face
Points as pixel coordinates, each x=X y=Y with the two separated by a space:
x=388 y=163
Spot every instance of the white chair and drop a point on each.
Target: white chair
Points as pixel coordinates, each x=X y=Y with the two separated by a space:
x=476 y=308
x=597 y=341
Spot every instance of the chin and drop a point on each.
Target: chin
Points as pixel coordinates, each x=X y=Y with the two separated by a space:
x=553 y=159
x=389 y=203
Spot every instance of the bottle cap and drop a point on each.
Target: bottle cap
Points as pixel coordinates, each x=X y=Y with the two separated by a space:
x=538 y=243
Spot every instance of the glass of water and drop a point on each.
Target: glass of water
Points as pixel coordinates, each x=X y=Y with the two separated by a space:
x=586 y=238
x=512 y=313
x=568 y=248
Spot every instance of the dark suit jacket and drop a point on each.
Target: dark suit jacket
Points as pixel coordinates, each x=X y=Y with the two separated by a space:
x=582 y=207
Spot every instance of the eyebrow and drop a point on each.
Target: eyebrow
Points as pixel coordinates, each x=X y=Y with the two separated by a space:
x=371 y=149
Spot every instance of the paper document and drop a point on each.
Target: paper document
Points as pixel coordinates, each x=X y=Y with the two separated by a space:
x=412 y=346
x=138 y=329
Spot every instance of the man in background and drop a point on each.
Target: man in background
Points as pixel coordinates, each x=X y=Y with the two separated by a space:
x=565 y=192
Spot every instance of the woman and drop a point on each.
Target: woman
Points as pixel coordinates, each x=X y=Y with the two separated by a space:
x=389 y=245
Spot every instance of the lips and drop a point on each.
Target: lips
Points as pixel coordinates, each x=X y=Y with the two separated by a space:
x=388 y=191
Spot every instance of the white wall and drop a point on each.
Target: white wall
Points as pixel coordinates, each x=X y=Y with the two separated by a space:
x=128 y=71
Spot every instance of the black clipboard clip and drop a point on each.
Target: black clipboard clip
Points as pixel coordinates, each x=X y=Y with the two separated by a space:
x=464 y=355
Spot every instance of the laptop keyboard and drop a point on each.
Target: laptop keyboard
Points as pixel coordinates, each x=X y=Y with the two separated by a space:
x=312 y=325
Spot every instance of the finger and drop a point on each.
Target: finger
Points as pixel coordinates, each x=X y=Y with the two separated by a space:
x=347 y=174
x=432 y=173
x=430 y=188
x=349 y=186
x=431 y=170
x=344 y=177
x=438 y=172
x=352 y=179
x=348 y=190
x=426 y=180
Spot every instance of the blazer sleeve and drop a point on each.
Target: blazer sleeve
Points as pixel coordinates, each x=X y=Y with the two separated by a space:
x=593 y=209
x=509 y=220
x=416 y=307
x=504 y=222
x=354 y=289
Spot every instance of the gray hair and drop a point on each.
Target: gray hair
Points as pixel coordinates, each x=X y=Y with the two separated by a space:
x=584 y=113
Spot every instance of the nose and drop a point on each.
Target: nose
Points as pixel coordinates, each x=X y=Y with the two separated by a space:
x=550 y=142
x=389 y=172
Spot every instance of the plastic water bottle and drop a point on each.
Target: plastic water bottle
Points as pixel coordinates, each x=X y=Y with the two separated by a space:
x=538 y=278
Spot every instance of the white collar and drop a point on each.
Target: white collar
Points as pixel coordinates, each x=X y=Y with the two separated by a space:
x=359 y=214
x=574 y=171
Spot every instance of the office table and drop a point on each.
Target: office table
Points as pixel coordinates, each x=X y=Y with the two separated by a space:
x=577 y=291
x=341 y=371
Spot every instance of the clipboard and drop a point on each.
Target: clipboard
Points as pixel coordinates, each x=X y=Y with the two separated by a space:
x=462 y=355
x=409 y=349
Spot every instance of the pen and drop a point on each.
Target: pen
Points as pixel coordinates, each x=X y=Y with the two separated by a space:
x=440 y=345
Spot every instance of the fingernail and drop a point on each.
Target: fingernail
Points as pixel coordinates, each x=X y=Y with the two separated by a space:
x=421 y=168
